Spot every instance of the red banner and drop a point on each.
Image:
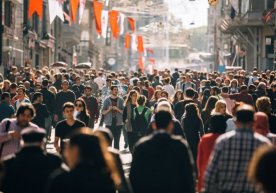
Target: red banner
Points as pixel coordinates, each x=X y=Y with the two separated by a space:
x=140 y=46
x=131 y=22
x=127 y=40
x=35 y=6
x=113 y=19
x=74 y=8
x=98 y=7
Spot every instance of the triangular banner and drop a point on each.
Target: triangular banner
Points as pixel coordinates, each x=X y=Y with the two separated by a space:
x=55 y=10
x=140 y=46
x=35 y=6
x=131 y=22
x=104 y=24
x=134 y=42
x=113 y=19
x=81 y=9
x=74 y=8
x=122 y=20
x=98 y=7
x=127 y=40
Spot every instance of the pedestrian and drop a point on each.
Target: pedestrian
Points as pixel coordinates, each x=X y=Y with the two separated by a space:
x=129 y=105
x=92 y=167
x=66 y=127
x=10 y=129
x=168 y=87
x=92 y=106
x=206 y=146
x=28 y=170
x=262 y=169
x=20 y=97
x=81 y=112
x=220 y=108
x=78 y=87
x=6 y=109
x=162 y=162
x=155 y=98
x=234 y=149
x=206 y=112
x=65 y=95
x=178 y=96
x=242 y=96
x=94 y=86
x=113 y=114
x=41 y=111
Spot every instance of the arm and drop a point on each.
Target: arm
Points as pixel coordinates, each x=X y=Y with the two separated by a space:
x=97 y=113
x=56 y=144
x=106 y=107
x=125 y=114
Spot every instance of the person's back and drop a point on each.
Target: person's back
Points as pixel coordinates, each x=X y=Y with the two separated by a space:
x=161 y=162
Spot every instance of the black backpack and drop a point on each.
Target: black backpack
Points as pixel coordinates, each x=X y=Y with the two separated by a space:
x=140 y=123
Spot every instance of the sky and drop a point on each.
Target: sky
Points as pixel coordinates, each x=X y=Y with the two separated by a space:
x=190 y=11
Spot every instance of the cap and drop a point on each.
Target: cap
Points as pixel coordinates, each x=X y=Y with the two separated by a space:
x=87 y=86
x=33 y=134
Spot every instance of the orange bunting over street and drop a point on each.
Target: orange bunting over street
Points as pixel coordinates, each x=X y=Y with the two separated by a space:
x=127 y=40
x=98 y=7
x=35 y=6
x=74 y=8
x=140 y=46
x=113 y=19
x=131 y=22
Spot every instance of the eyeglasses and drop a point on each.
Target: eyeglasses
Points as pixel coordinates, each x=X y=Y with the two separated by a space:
x=78 y=105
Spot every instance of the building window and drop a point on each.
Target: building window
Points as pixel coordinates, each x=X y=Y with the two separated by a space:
x=8 y=18
x=44 y=20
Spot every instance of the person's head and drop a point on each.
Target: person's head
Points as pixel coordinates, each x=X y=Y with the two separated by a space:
x=234 y=83
x=141 y=100
x=218 y=124
x=243 y=89
x=33 y=137
x=106 y=133
x=27 y=84
x=21 y=91
x=114 y=90
x=273 y=86
x=45 y=83
x=263 y=104
x=65 y=85
x=188 y=78
x=5 y=97
x=53 y=89
x=164 y=94
x=215 y=91
x=83 y=147
x=80 y=106
x=178 y=96
x=261 y=86
x=206 y=93
x=157 y=95
x=78 y=80
x=191 y=110
x=261 y=124
x=132 y=97
x=227 y=82
x=88 y=91
x=244 y=117
x=7 y=84
x=251 y=88
x=220 y=107
x=190 y=93
x=38 y=97
x=235 y=107
x=164 y=121
x=262 y=169
x=210 y=104
x=163 y=105
x=225 y=89
x=68 y=110
x=25 y=113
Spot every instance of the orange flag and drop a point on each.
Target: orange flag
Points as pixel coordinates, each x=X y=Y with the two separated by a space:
x=140 y=46
x=131 y=22
x=35 y=6
x=141 y=63
x=113 y=19
x=127 y=40
x=74 y=8
x=98 y=7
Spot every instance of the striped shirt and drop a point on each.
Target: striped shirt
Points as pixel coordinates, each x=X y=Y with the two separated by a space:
x=229 y=161
x=10 y=146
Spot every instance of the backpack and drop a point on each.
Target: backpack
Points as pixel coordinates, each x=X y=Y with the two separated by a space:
x=140 y=123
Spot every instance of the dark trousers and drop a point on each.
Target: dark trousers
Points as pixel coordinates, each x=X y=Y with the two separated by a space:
x=132 y=139
x=116 y=132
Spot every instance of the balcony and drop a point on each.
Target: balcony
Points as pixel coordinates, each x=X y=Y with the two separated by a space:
x=71 y=35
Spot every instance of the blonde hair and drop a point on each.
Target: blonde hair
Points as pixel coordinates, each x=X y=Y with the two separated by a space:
x=219 y=104
x=53 y=89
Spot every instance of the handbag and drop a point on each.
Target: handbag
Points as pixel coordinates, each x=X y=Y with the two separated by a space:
x=6 y=130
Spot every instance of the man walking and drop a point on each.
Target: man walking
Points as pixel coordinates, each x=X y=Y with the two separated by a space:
x=6 y=109
x=41 y=111
x=162 y=163
x=92 y=106
x=227 y=170
x=113 y=114
x=10 y=129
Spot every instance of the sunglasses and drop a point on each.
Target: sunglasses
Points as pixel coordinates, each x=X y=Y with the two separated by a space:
x=78 y=105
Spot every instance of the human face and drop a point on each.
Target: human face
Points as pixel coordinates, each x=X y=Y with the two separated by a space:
x=222 y=109
x=134 y=97
x=274 y=88
x=71 y=154
x=87 y=92
x=20 y=92
x=65 y=86
x=68 y=113
x=115 y=91
x=24 y=119
x=179 y=95
x=79 y=106
x=158 y=95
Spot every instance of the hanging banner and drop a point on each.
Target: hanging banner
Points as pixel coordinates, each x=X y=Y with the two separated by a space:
x=141 y=63
x=113 y=19
x=55 y=10
x=131 y=22
x=213 y=2
x=140 y=46
x=81 y=9
x=151 y=60
x=35 y=6
x=127 y=40
x=98 y=7
x=67 y=18
x=134 y=42
x=74 y=8
x=104 y=24
x=122 y=20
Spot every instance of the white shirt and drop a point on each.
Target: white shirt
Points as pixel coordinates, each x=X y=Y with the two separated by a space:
x=169 y=89
x=100 y=81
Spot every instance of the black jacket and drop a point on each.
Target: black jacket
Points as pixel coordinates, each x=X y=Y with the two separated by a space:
x=63 y=97
x=162 y=164
x=49 y=99
x=179 y=108
x=28 y=171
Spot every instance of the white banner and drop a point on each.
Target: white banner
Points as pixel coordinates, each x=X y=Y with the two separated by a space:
x=55 y=9
x=81 y=9
x=104 y=20
x=122 y=20
x=134 y=42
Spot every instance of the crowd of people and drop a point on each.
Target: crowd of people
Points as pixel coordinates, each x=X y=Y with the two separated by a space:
x=187 y=131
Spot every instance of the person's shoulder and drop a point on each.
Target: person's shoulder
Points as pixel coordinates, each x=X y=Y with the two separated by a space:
x=261 y=138
x=53 y=158
x=143 y=142
x=78 y=122
x=61 y=123
x=224 y=138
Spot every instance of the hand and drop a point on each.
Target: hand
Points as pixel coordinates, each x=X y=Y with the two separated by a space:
x=110 y=108
x=56 y=118
x=15 y=134
x=58 y=149
x=115 y=108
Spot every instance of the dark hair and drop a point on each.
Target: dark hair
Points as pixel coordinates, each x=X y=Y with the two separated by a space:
x=262 y=168
x=210 y=104
x=13 y=85
x=163 y=119
x=84 y=111
x=218 y=124
x=128 y=99
x=141 y=100
x=5 y=95
x=225 y=89
x=36 y=95
x=113 y=86
x=190 y=93
x=107 y=134
x=68 y=105
x=45 y=82
x=165 y=92
x=245 y=114
x=191 y=110
x=23 y=107
x=175 y=100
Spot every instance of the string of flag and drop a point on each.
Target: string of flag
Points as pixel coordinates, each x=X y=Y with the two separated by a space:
x=103 y=19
